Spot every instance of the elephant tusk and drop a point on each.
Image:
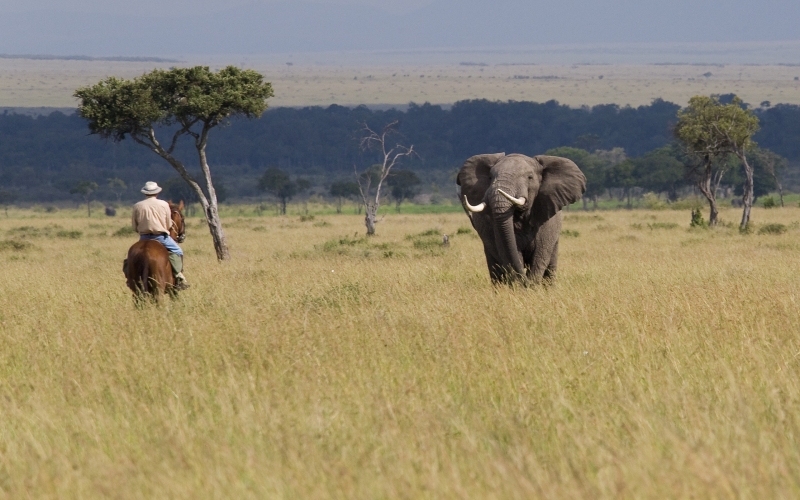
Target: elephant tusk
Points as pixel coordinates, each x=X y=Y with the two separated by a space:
x=520 y=202
x=476 y=208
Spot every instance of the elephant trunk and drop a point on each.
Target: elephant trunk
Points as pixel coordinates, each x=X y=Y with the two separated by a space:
x=505 y=237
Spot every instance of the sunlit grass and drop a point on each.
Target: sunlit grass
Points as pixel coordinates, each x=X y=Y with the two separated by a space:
x=318 y=363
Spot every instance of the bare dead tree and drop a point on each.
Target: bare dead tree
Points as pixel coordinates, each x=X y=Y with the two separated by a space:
x=377 y=174
x=773 y=163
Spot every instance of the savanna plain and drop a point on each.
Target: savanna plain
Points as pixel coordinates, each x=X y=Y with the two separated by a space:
x=318 y=363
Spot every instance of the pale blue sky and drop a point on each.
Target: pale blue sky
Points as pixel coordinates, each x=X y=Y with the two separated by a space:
x=166 y=28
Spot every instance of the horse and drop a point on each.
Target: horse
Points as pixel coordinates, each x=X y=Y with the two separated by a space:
x=147 y=268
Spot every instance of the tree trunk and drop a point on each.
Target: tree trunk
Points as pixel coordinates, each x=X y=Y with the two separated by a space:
x=371 y=217
x=209 y=203
x=217 y=234
x=585 y=204
x=709 y=191
x=747 y=195
x=780 y=192
x=212 y=211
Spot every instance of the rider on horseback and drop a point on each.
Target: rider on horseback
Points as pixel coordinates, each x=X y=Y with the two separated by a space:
x=152 y=219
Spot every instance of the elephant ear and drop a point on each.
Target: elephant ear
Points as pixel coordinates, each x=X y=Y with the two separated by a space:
x=475 y=177
x=563 y=183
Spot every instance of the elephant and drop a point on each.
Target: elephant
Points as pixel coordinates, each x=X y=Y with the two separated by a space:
x=514 y=203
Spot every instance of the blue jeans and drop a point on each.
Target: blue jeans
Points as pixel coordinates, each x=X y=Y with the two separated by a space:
x=165 y=240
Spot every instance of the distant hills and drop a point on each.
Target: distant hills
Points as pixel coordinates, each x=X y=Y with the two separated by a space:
x=51 y=57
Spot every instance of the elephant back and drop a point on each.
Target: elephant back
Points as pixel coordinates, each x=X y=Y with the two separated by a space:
x=475 y=176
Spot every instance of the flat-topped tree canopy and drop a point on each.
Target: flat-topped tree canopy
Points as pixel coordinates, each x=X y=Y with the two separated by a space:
x=117 y=107
x=196 y=99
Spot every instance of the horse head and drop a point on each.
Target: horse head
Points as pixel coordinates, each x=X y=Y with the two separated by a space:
x=178 y=229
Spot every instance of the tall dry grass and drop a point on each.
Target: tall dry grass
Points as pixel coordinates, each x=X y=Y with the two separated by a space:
x=317 y=364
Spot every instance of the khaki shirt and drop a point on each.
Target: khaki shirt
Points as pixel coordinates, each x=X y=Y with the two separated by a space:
x=151 y=216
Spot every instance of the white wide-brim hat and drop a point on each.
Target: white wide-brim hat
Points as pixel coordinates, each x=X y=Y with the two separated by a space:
x=151 y=187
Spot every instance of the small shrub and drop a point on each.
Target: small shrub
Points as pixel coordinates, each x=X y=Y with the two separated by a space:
x=662 y=225
x=464 y=230
x=306 y=218
x=569 y=233
x=429 y=232
x=636 y=225
x=697 y=219
x=322 y=223
x=50 y=209
x=773 y=229
x=73 y=235
x=769 y=202
x=15 y=245
x=260 y=229
x=653 y=202
x=124 y=231
x=338 y=245
x=427 y=243
x=683 y=204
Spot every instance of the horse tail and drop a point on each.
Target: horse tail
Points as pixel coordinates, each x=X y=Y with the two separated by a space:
x=146 y=276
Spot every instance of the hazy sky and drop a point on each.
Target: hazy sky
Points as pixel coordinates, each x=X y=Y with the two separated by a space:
x=179 y=27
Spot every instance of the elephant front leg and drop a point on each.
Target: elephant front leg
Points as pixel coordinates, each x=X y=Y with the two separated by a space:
x=550 y=273
x=544 y=251
x=496 y=271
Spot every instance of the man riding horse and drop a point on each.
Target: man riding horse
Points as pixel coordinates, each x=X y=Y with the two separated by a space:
x=152 y=219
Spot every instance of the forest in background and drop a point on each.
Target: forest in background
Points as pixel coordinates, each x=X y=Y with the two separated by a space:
x=43 y=158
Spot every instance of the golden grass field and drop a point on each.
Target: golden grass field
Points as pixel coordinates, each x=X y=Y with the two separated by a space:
x=35 y=83
x=317 y=364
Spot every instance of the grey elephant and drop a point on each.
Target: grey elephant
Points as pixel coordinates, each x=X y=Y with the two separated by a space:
x=514 y=202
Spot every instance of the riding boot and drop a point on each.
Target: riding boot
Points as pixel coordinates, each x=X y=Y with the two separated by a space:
x=177 y=267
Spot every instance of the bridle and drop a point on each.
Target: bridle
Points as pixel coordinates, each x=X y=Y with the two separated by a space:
x=180 y=231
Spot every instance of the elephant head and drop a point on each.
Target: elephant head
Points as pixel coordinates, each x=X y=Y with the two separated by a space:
x=511 y=197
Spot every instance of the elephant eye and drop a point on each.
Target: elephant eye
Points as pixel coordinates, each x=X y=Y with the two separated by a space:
x=530 y=177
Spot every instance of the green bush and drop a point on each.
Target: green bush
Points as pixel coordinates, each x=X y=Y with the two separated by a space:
x=653 y=202
x=697 y=219
x=464 y=230
x=662 y=225
x=73 y=235
x=769 y=202
x=14 y=245
x=773 y=229
x=569 y=233
x=126 y=230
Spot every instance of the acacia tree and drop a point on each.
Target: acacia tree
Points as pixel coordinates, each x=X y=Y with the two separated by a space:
x=405 y=184
x=181 y=102
x=377 y=174
x=278 y=183
x=117 y=186
x=774 y=164
x=343 y=190
x=85 y=190
x=711 y=131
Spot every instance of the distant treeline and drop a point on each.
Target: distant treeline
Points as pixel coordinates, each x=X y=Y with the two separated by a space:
x=41 y=158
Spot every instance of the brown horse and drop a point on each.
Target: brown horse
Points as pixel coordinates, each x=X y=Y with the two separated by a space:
x=147 y=267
